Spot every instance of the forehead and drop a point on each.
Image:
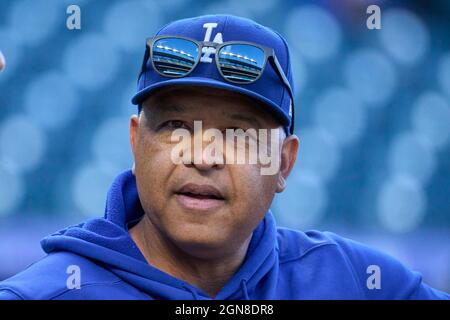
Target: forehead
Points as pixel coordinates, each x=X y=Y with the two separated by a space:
x=205 y=99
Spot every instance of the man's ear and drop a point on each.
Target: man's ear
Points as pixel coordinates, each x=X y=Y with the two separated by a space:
x=288 y=156
x=134 y=126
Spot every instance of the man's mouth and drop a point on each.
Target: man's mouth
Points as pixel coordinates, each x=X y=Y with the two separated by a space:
x=199 y=197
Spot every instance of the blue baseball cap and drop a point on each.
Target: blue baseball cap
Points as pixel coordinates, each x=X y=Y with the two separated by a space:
x=268 y=89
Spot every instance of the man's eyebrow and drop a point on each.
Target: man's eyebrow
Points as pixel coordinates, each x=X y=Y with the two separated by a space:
x=245 y=118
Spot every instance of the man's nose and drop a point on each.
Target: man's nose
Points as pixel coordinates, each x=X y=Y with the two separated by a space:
x=205 y=166
x=206 y=154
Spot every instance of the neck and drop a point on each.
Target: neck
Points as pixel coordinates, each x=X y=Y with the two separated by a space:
x=208 y=274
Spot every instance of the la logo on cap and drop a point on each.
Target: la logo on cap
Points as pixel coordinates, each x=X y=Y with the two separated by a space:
x=208 y=51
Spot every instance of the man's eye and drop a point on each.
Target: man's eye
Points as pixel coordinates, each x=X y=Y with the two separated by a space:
x=174 y=124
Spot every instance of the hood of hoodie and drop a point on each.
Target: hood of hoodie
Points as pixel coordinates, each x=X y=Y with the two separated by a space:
x=106 y=241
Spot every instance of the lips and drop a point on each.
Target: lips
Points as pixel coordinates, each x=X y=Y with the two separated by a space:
x=201 y=191
x=199 y=197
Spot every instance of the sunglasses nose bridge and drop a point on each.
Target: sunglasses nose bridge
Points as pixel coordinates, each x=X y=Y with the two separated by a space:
x=210 y=44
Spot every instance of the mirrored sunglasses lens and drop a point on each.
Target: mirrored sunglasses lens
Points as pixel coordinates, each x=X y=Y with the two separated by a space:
x=241 y=63
x=174 y=57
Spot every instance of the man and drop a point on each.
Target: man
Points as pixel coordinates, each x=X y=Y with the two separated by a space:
x=186 y=224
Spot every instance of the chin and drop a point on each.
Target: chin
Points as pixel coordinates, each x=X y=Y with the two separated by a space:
x=200 y=241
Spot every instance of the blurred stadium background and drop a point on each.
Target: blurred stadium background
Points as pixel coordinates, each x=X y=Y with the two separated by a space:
x=373 y=118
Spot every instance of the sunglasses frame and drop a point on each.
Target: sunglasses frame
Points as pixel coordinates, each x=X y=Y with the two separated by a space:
x=269 y=55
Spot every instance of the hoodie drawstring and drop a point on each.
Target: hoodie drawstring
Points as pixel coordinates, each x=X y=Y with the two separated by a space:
x=194 y=294
x=244 y=289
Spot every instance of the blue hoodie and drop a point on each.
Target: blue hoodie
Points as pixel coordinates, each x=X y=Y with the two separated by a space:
x=280 y=264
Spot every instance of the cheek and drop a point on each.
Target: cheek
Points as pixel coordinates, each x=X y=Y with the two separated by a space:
x=153 y=168
x=254 y=192
x=253 y=195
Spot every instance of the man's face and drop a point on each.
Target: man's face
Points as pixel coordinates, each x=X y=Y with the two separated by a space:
x=200 y=208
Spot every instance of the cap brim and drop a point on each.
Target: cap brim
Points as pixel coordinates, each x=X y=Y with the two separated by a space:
x=270 y=107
